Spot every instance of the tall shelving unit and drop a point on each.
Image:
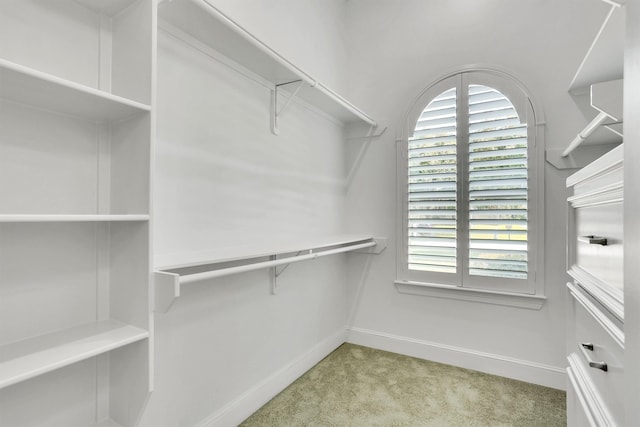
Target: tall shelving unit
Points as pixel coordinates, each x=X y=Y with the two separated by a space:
x=76 y=132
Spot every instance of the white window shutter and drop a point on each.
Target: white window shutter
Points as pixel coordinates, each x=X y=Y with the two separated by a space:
x=432 y=180
x=497 y=186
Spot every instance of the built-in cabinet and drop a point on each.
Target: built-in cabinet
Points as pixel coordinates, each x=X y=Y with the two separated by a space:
x=76 y=131
x=595 y=315
x=595 y=238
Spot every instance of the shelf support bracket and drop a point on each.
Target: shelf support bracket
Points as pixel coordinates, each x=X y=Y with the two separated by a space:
x=275 y=113
x=275 y=272
x=167 y=289
x=274 y=276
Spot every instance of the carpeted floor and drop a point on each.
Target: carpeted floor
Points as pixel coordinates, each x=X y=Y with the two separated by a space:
x=360 y=386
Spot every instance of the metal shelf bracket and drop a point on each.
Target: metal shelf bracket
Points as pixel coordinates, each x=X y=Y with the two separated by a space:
x=275 y=272
x=275 y=113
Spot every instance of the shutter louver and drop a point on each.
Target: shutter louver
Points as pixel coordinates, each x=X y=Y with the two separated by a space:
x=432 y=186
x=498 y=186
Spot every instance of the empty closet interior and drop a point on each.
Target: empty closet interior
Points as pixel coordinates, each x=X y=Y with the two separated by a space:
x=199 y=201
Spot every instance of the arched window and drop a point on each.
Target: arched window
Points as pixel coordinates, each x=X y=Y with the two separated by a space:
x=470 y=186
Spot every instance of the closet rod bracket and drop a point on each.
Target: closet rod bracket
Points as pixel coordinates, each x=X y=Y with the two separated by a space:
x=275 y=272
x=275 y=113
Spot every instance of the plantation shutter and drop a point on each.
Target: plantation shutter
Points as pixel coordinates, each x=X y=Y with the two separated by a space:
x=432 y=198
x=496 y=186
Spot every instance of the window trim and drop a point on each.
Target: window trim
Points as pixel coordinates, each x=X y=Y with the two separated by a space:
x=441 y=284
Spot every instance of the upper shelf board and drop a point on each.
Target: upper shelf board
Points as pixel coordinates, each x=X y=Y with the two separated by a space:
x=202 y=21
x=41 y=90
x=107 y=7
x=604 y=60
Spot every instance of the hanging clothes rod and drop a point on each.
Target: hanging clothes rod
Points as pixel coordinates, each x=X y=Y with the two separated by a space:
x=169 y=280
x=586 y=132
x=268 y=264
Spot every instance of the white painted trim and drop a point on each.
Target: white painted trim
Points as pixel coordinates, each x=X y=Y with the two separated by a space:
x=523 y=370
x=236 y=411
x=607 y=195
x=580 y=397
x=588 y=394
x=610 y=297
x=529 y=301
x=607 y=163
x=610 y=327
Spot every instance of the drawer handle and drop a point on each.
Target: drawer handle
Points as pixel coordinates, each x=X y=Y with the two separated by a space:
x=594 y=240
x=596 y=365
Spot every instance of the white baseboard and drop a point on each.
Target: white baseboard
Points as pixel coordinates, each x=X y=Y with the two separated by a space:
x=246 y=404
x=523 y=370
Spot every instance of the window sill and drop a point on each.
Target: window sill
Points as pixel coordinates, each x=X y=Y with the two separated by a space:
x=531 y=302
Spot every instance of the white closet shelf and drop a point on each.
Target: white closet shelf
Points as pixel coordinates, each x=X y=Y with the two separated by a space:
x=25 y=85
x=203 y=21
x=107 y=7
x=32 y=357
x=203 y=266
x=604 y=60
x=605 y=130
x=73 y=218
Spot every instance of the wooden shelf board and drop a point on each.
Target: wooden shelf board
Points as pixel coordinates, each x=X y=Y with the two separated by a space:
x=72 y=218
x=29 y=358
x=230 y=254
x=41 y=90
x=200 y=20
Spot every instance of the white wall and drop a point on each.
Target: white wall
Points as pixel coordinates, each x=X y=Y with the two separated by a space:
x=396 y=50
x=222 y=179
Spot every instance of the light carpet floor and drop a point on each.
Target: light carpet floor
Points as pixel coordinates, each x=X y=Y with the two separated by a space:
x=360 y=386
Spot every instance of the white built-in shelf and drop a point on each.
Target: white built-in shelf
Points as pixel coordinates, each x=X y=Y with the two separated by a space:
x=31 y=357
x=73 y=218
x=204 y=22
x=107 y=7
x=25 y=85
x=604 y=60
x=600 y=76
x=188 y=268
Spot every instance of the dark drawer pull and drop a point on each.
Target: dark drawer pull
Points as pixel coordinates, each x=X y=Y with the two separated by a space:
x=594 y=240
x=599 y=365
x=596 y=365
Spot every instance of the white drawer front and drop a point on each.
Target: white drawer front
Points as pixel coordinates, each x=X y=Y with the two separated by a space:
x=609 y=384
x=580 y=409
x=602 y=261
